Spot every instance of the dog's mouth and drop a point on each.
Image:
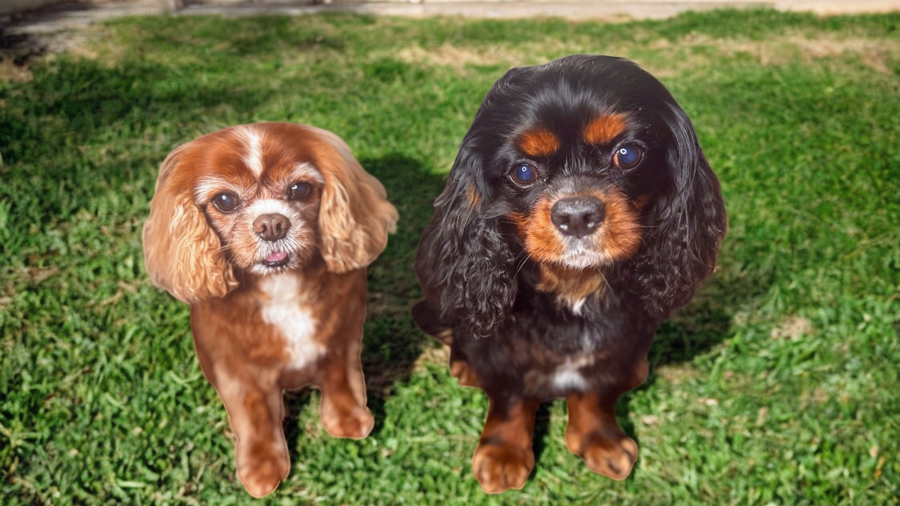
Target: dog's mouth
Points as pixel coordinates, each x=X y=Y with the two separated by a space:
x=276 y=259
x=582 y=253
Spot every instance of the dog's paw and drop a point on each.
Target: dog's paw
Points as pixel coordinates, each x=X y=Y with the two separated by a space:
x=612 y=458
x=261 y=475
x=355 y=424
x=500 y=468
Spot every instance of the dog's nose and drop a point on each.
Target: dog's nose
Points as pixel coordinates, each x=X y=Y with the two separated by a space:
x=271 y=227
x=578 y=216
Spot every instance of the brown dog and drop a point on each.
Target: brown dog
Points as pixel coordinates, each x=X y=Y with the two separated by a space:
x=266 y=231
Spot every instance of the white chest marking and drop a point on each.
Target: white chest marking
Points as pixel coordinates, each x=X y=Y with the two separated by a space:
x=294 y=321
x=567 y=376
x=569 y=379
x=576 y=307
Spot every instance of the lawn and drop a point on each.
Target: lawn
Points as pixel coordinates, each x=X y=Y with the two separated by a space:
x=778 y=384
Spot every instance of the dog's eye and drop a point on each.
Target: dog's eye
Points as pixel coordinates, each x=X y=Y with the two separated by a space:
x=524 y=174
x=627 y=157
x=226 y=202
x=299 y=191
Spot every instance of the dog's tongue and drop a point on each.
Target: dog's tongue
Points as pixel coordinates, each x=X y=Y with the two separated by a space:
x=276 y=257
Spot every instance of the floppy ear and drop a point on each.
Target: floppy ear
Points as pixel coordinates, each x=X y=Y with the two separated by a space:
x=688 y=225
x=182 y=252
x=355 y=217
x=464 y=264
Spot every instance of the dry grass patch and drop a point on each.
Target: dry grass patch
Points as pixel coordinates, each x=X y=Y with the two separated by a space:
x=792 y=328
x=677 y=374
x=874 y=53
x=456 y=57
x=432 y=355
x=695 y=50
x=10 y=72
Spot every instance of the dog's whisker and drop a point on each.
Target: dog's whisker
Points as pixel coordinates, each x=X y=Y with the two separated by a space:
x=605 y=281
x=522 y=263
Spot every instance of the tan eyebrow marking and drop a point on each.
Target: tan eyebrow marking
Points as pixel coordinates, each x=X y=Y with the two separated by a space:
x=603 y=129
x=538 y=142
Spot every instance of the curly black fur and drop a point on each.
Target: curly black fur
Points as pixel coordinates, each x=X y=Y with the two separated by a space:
x=687 y=225
x=467 y=257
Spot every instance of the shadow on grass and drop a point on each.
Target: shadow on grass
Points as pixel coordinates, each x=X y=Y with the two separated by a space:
x=695 y=329
x=391 y=341
x=77 y=100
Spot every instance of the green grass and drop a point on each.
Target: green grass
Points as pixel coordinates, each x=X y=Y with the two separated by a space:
x=778 y=384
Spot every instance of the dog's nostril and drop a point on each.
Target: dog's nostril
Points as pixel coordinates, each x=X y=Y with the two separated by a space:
x=271 y=227
x=578 y=216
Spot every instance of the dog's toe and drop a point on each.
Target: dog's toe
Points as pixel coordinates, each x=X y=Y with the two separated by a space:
x=261 y=477
x=356 y=424
x=612 y=458
x=499 y=468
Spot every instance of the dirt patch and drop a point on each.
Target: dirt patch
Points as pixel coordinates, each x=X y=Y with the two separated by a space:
x=19 y=52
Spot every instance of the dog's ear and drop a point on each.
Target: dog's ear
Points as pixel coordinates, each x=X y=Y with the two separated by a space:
x=355 y=217
x=688 y=225
x=182 y=253
x=463 y=262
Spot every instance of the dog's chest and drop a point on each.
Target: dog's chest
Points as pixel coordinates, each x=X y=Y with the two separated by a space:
x=561 y=358
x=569 y=376
x=293 y=320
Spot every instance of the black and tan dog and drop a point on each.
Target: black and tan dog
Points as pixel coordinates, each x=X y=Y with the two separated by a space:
x=579 y=213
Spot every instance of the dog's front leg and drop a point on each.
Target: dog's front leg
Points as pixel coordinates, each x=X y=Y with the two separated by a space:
x=594 y=434
x=255 y=411
x=343 y=410
x=504 y=459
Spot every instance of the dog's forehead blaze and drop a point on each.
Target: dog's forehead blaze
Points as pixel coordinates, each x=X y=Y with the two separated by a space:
x=283 y=147
x=286 y=152
x=282 y=153
x=538 y=142
x=604 y=128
